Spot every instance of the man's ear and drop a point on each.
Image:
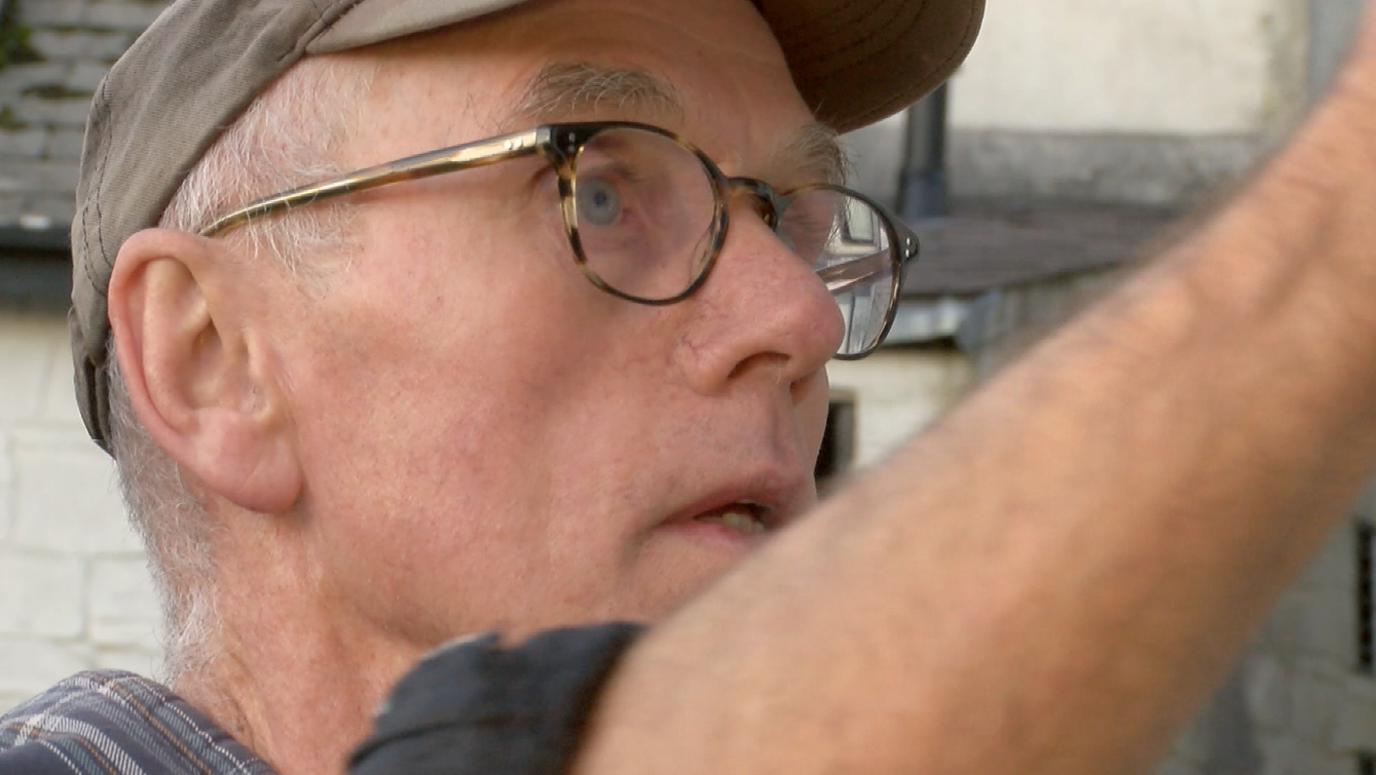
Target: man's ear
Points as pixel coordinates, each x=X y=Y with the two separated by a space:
x=199 y=376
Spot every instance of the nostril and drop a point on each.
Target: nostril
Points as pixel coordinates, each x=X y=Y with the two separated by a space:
x=761 y=361
x=802 y=387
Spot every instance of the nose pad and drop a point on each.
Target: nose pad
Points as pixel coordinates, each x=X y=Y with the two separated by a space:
x=764 y=200
x=765 y=210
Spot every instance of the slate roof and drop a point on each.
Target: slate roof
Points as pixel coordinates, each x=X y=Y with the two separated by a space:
x=997 y=244
x=45 y=92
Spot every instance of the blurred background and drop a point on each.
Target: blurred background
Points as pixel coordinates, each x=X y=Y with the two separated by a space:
x=1061 y=153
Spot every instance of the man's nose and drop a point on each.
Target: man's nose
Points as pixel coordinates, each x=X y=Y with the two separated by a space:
x=762 y=313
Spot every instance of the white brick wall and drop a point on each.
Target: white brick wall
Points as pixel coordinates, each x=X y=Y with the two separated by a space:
x=74 y=593
x=1165 y=67
x=897 y=393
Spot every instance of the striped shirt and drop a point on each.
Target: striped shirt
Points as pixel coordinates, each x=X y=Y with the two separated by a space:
x=471 y=707
x=111 y=722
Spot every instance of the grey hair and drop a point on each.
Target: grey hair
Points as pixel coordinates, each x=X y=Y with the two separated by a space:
x=175 y=531
x=289 y=136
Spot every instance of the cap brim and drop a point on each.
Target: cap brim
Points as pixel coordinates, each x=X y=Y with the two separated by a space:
x=859 y=61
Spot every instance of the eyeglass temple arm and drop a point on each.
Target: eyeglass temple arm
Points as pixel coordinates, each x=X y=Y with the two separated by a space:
x=841 y=277
x=423 y=165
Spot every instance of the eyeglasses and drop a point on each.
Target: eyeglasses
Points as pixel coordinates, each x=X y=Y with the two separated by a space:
x=647 y=214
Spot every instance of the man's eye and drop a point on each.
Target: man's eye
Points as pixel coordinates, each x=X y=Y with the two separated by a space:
x=599 y=202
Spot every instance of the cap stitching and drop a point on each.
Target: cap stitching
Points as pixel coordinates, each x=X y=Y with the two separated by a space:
x=822 y=55
x=100 y=231
x=953 y=56
x=850 y=21
x=94 y=200
x=314 y=29
x=836 y=10
x=292 y=52
x=836 y=53
x=86 y=237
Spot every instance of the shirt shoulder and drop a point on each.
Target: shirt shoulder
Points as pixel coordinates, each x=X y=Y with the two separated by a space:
x=478 y=707
x=117 y=723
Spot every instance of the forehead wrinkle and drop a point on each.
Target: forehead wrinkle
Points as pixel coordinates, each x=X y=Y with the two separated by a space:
x=815 y=148
x=564 y=89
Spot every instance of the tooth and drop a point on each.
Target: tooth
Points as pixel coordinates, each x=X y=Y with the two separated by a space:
x=741 y=521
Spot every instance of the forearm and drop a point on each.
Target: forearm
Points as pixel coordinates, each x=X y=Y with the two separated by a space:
x=1048 y=580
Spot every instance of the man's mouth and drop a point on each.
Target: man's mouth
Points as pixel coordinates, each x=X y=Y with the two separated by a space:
x=745 y=517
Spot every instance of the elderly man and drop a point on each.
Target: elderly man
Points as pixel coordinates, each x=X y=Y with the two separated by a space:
x=368 y=396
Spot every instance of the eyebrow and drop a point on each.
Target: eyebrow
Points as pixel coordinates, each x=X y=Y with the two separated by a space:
x=816 y=148
x=563 y=89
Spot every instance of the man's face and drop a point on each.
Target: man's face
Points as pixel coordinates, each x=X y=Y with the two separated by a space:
x=490 y=442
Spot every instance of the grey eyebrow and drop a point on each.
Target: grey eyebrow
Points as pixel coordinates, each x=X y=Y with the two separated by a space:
x=815 y=148
x=562 y=90
x=565 y=89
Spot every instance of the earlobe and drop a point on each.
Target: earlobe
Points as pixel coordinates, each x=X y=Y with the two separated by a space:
x=197 y=374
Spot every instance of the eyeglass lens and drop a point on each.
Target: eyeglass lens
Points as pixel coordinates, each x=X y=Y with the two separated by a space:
x=847 y=242
x=645 y=208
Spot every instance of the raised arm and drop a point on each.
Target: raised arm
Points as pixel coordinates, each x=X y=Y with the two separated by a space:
x=1050 y=579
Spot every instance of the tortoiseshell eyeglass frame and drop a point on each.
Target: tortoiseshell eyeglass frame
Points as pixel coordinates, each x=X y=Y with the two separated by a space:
x=560 y=145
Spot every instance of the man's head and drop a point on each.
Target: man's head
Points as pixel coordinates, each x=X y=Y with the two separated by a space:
x=407 y=406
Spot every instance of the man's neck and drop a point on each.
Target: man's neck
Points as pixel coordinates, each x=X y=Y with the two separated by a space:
x=294 y=685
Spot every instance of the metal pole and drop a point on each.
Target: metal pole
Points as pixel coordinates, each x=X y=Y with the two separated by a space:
x=922 y=185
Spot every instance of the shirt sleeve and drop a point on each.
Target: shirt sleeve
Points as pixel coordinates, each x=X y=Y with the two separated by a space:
x=475 y=707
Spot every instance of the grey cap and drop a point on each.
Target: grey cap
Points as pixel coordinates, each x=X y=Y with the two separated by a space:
x=200 y=65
